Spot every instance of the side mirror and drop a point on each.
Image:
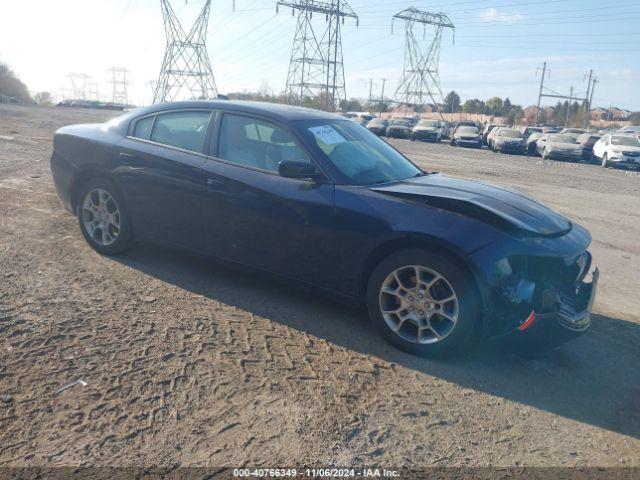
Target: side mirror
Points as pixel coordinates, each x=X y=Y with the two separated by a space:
x=293 y=169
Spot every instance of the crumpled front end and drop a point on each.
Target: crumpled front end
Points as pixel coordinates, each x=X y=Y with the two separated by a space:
x=543 y=300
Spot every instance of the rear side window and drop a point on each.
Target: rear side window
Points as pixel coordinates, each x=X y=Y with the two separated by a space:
x=143 y=128
x=184 y=130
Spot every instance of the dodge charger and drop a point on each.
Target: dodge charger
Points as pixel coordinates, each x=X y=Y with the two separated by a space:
x=312 y=197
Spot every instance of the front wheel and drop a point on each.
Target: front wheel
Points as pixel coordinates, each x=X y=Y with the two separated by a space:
x=422 y=302
x=604 y=161
x=103 y=217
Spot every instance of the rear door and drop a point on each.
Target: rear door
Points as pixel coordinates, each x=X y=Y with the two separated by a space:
x=160 y=169
x=254 y=216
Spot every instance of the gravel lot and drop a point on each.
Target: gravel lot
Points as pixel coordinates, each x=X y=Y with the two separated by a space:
x=191 y=363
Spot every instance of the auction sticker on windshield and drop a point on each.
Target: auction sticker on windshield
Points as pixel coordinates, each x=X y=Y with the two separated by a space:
x=327 y=135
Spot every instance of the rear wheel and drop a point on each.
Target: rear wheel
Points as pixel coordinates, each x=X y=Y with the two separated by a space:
x=422 y=302
x=103 y=217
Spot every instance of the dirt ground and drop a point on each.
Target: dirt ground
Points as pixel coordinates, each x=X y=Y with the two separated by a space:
x=190 y=363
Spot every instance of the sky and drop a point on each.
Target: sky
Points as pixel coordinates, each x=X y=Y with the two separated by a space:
x=497 y=49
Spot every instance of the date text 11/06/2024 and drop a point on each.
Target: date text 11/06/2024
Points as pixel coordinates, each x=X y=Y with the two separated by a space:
x=315 y=472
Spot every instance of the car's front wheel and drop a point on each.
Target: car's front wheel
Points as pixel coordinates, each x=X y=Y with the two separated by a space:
x=103 y=217
x=605 y=161
x=423 y=303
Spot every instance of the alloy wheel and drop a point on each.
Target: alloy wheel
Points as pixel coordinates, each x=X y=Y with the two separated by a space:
x=419 y=304
x=101 y=217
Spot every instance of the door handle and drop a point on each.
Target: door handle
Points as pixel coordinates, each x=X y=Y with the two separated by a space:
x=126 y=158
x=212 y=182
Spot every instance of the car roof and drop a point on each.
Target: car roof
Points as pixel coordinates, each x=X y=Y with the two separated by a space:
x=277 y=111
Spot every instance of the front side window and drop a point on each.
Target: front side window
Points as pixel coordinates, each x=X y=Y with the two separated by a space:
x=256 y=143
x=184 y=130
x=361 y=156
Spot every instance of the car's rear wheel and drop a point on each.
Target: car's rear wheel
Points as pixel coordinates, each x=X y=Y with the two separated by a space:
x=103 y=217
x=423 y=303
x=604 y=161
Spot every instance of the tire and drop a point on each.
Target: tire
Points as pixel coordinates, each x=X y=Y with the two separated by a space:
x=453 y=335
x=604 y=161
x=117 y=240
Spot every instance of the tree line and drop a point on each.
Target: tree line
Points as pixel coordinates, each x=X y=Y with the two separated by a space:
x=12 y=86
x=495 y=106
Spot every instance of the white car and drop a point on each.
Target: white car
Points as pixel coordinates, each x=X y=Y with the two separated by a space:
x=429 y=130
x=618 y=150
x=630 y=130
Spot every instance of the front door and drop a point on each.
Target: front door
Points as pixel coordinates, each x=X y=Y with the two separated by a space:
x=254 y=216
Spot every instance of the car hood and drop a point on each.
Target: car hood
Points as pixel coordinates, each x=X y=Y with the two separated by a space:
x=501 y=207
x=509 y=139
x=425 y=129
x=626 y=148
x=399 y=127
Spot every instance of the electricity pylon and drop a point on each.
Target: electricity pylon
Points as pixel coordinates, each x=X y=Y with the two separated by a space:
x=420 y=78
x=79 y=83
x=316 y=70
x=119 y=82
x=186 y=71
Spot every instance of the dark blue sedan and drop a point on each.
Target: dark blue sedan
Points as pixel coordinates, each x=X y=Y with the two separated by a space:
x=314 y=197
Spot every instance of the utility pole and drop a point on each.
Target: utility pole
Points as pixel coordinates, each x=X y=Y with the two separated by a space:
x=186 y=70
x=384 y=80
x=566 y=119
x=544 y=71
x=586 y=105
x=543 y=93
x=420 y=79
x=593 y=87
x=316 y=69
x=370 y=91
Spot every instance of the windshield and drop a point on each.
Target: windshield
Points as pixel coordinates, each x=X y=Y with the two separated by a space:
x=505 y=132
x=377 y=121
x=626 y=141
x=405 y=123
x=562 y=139
x=427 y=123
x=362 y=157
x=467 y=130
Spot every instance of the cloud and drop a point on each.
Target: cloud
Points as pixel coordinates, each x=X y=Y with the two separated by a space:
x=494 y=15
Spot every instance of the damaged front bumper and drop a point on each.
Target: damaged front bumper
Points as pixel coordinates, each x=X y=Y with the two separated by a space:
x=559 y=316
x=541 y=300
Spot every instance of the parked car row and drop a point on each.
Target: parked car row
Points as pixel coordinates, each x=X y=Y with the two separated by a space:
x=620 y=148
x=426 y=130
